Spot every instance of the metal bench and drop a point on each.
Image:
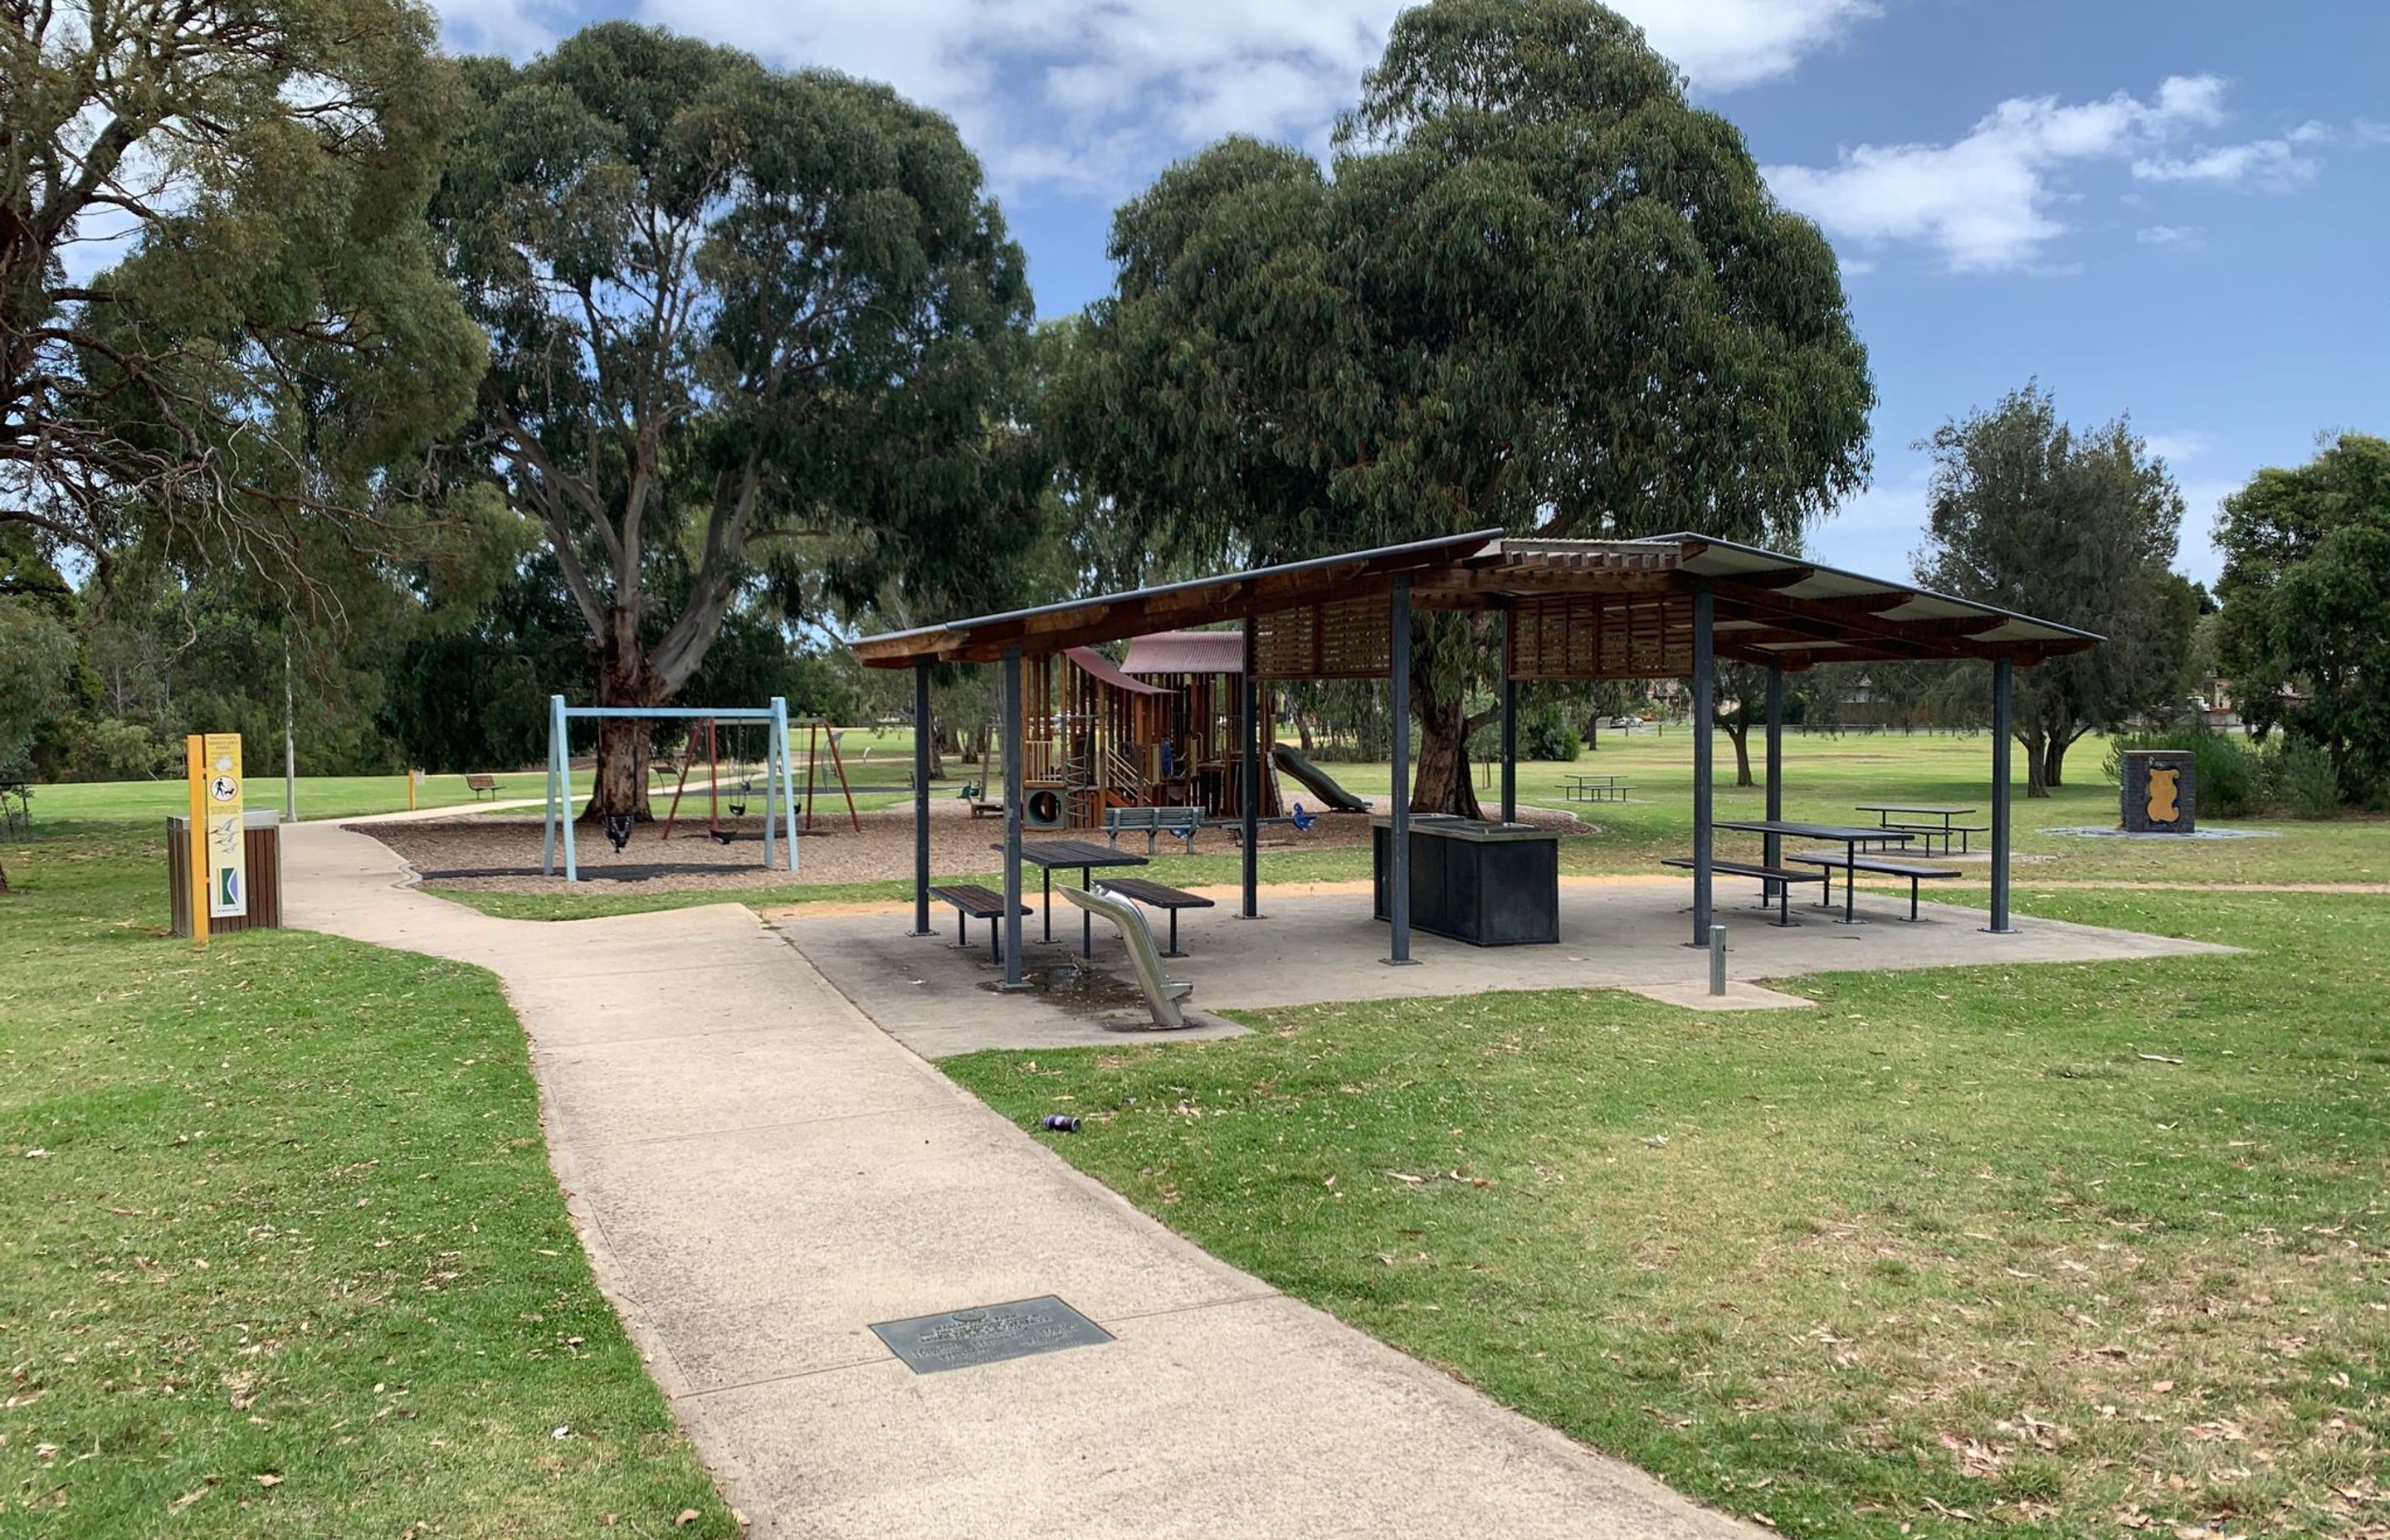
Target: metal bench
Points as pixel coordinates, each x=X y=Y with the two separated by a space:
x=1833 y=860
x=483 y=786
x=972 y=903
x=1781 y=876
x=1170 y=900
x=1162 y=993
x=1179 y=823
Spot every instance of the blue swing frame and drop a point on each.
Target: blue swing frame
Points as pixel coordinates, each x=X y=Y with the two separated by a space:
x=779 y=774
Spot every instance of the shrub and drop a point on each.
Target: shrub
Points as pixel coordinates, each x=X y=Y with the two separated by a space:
x=1549 y=735
x=2310 y=786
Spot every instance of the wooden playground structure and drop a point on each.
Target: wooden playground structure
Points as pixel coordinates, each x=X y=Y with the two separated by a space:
x=1157 y=731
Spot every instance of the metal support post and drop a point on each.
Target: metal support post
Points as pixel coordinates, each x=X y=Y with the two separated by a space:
x=1509 y=750
x=2003 y=728
x=1248 y=734
x=1398 y=837
x=921 y=798
x=1012 y=752
x=1704 y=753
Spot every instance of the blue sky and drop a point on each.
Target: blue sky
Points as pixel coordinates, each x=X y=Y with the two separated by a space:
x=2175 y=208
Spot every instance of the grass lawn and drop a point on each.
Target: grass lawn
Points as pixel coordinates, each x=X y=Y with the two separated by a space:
x=319 y=797
x=1952 y=1253
x=280 y=1252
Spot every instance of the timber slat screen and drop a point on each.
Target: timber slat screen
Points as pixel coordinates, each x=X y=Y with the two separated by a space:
x=1601 y=636
x=1345 y=640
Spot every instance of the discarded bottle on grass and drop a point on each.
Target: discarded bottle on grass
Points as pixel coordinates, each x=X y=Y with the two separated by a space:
x=1057 y=1122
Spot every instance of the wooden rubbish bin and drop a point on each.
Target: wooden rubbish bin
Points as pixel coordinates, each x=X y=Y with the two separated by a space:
x=262 y=848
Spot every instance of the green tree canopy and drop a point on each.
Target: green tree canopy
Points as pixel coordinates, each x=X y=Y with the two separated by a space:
x=1539 y=290
x=2079 y=528
x=749 y=328
x=280 y=330
x=2306 y=590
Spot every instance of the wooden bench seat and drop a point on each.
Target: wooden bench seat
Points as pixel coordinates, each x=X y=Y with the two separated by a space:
x=1830 y=861
x=1783 y=877
x=1159 y=896
x=483 y=786
x=972 y=902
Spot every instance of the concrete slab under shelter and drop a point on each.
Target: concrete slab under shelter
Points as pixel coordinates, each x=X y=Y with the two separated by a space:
x=1321 y=944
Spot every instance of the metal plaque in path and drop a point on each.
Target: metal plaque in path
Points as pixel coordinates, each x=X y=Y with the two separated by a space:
x=986 y=1333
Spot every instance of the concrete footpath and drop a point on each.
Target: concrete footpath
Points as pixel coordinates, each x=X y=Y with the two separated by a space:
x=760 y=1173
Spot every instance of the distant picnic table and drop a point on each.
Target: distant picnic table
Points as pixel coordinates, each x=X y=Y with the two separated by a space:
x=1909 y=818
x=1591 y=787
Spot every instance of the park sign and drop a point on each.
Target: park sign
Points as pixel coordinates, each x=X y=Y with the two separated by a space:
x=216 y=817
x=2160 y=791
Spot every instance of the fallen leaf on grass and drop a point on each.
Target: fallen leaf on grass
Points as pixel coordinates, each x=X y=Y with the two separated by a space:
x=269 y=1480
x=688 y=1516
x=193 y=1496
x=1950 y=1512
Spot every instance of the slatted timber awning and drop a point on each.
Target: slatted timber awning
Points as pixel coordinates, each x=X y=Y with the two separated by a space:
x=1577 y=610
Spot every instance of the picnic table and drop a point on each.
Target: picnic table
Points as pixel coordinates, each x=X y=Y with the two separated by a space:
x=1086 y=855
x=1849 y=836
x=1910 y=822
x=1594 y=787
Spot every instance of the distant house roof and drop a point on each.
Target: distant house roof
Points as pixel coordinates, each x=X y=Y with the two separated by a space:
x=1096 y=664
x=1185 y=652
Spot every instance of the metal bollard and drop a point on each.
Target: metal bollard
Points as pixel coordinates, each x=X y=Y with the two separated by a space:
x=1717 y=959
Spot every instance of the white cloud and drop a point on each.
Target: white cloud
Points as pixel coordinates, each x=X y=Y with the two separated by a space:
x=1986 y=200
x=2174 y=448
x=2266 y=163
x=2167 y=235
x=1099 y=95
x=513 y=27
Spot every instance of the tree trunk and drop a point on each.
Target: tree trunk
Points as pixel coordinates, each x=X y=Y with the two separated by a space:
x=2053 y=761
x=621 y=784
x=1738 y=728
x=2036 y=743
x=1440 y=780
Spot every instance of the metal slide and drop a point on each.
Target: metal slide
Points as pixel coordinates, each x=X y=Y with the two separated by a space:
x=1162 y=993
x=1321 y=785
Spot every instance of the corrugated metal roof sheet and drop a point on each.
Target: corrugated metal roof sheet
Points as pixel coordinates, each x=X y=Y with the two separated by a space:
x=1185 y=652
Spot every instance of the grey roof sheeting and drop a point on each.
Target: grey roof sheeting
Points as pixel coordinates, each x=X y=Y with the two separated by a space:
x=1770 y=606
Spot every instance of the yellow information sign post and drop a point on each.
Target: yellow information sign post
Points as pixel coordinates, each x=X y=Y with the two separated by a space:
x=219 y=865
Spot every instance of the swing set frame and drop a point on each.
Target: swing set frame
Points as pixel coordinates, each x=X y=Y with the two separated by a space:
x=779 y=773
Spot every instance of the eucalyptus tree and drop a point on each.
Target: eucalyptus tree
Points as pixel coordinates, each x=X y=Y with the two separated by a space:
x=750 y=329
x=1535 y=289
x=2306 y=590
x=221 y=317
x=2027 y=513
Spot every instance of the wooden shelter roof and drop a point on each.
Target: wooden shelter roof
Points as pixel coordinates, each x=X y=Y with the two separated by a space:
x=1578 y=609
